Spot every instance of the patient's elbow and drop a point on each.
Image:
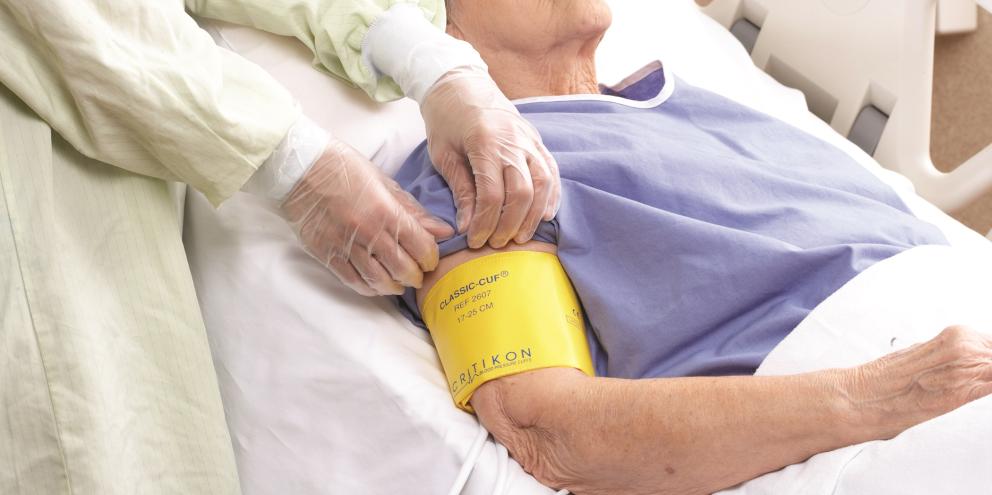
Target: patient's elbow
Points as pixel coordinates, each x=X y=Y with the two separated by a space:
x=523 y=413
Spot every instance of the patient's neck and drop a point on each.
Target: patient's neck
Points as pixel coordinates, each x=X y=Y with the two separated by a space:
x=566 y=70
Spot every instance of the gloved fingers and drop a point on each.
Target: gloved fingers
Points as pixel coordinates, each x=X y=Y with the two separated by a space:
x=490 y=194
x=541 y=179
x=466 y=115
x=347 y=274
x=517 y=205
x=373 y=273
x=436 y=227
x=418 y=232
x=457 y=173
x=400 y=265
x=554 y=199
x=420 y=245
x=432 y=224
x=377 y=255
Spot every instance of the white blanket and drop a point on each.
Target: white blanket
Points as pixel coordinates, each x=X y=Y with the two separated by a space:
x=894 y=304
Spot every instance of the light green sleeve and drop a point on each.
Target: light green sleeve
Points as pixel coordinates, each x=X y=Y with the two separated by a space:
x=334 y=30
x=137 y=84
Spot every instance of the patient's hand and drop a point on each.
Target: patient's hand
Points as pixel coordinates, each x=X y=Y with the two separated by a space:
x=700 y=435
x=924 y=381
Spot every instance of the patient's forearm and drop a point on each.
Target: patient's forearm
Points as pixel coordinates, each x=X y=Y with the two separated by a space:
x=699 y=435
x=703 y=434
x=682 y=435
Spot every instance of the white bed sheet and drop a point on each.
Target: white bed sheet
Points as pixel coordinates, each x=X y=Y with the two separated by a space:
x=896 y=303
x=327 y=392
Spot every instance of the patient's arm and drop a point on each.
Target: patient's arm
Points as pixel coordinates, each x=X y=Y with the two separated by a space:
x=699 y=435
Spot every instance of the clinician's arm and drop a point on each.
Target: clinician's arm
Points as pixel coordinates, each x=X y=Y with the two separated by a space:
x=335 y=32
x=505 y=181
x=137 y=84
x=701 y=435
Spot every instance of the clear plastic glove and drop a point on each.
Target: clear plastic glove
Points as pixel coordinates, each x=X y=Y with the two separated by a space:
x=502 y=177
x=361 y=225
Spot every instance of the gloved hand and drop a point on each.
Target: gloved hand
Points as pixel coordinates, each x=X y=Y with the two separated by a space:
x=361 y=225
x=509 y=182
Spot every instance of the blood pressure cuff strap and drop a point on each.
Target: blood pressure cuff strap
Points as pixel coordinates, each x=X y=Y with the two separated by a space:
x=504 y=314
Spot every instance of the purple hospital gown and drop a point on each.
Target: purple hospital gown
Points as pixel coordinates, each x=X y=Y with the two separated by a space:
x=697 y=232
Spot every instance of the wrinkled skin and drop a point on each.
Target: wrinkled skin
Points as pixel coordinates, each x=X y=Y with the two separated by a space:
x=640 y=437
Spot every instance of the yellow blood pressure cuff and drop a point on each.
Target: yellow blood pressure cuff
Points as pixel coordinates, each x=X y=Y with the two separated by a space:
x=504 y=314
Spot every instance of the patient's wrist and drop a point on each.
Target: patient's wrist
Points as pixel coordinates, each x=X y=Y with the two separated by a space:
x=870 y=409
x=848 y=421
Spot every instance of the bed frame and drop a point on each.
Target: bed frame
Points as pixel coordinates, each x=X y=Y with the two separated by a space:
x=866 y=68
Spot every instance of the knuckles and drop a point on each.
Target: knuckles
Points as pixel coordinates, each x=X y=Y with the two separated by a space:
x=541 y=176
x=963 y=369
x=959 y=342
x=519 y=193
x=955 y=333
x=501 y=132
x=490 y=196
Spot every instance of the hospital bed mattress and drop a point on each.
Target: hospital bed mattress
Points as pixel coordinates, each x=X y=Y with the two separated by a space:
x=329 y=392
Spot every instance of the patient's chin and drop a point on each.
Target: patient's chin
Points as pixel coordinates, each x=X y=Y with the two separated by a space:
x=594 y=22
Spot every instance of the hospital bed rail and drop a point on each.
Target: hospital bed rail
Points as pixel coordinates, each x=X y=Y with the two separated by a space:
x=866 y=68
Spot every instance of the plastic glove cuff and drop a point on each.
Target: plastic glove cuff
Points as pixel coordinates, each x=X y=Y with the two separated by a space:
x=292 y=158
x=404 y=45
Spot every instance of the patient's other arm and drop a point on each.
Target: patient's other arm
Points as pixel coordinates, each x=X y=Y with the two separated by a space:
x=700 y=435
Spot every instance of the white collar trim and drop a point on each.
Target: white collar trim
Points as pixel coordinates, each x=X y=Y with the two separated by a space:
x=661 y=97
